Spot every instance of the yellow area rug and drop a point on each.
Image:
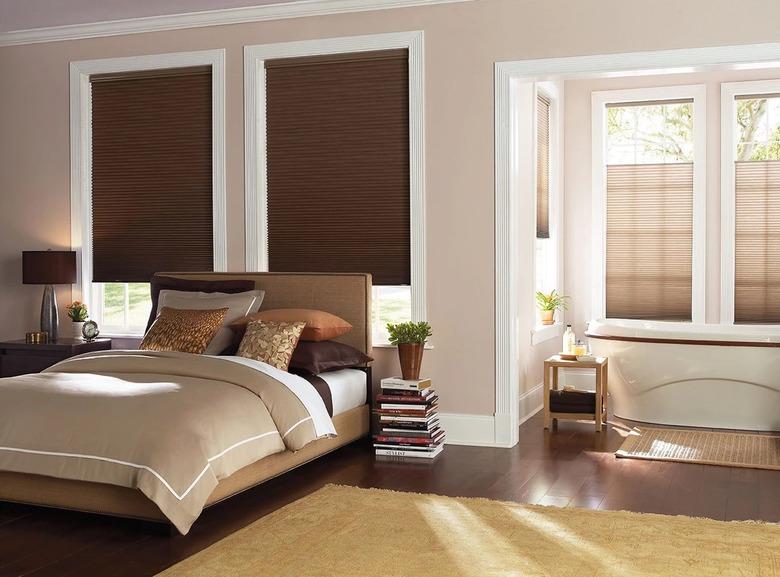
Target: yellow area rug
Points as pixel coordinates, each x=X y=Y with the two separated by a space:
x=706 y=447
x=350 y=532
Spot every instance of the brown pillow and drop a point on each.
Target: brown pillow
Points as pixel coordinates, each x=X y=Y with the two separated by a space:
x=159 y=283
x=315 y=358
x=186 y=331
x=271 y=342
x=320 y=326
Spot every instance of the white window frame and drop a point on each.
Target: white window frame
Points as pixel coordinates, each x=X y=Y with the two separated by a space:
x=255 y=149
x=81 y=154
x=552 y=91
x=728 y=194
x=599 y=100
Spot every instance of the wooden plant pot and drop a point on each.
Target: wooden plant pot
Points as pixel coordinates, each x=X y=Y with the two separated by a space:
x=548 y=317
x=410 y=356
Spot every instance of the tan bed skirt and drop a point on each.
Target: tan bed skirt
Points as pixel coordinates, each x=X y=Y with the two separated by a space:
x=124 y=502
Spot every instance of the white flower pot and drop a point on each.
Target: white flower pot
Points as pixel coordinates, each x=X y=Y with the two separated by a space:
x=76 y=328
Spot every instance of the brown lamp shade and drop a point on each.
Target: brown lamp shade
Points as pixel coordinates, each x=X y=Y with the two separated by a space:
x=48 y=267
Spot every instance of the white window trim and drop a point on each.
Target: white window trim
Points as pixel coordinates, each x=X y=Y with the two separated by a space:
x=599 y=100
x=255 y=178
x=81 y=150
x=551 y=91
x=728 y=198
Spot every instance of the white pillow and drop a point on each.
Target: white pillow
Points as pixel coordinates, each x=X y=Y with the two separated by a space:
x=240 y=305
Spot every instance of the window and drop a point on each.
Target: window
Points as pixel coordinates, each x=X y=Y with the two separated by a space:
x=151 y=197
x=751 y=203
x=548 y=197
x=648 y=167
x=338 y=171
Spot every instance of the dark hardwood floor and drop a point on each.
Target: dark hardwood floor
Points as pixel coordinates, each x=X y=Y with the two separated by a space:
x=572 y=466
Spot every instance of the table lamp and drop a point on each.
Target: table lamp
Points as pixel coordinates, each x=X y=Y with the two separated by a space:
x=49 y=267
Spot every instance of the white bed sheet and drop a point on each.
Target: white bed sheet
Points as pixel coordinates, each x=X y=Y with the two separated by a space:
x=347 y=388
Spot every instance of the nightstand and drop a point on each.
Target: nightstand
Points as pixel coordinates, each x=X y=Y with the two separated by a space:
x=19 y=357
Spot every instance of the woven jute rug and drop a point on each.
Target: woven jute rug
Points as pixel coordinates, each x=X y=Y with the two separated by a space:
x=707 y=447
x=348 y=532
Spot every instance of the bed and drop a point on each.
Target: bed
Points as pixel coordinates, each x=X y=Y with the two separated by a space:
x=345 y=295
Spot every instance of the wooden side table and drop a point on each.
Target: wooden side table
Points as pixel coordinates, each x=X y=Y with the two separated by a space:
x=19 y=357
x=599 y=415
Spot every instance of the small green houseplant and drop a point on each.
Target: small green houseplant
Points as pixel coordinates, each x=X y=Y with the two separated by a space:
x=410 y=338
x=77 y=312
x=549 y=303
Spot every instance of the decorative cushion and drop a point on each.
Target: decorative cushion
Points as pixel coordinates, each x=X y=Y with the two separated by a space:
x=324 y=356
x=271 y=342
x=239 y=305
x=186 y=331
x=159 y=283
x=320 y=325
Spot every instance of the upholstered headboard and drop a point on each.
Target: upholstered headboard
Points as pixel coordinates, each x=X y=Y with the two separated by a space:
x=347 y=295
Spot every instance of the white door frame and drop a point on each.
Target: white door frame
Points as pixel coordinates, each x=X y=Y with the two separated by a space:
x=508 y=205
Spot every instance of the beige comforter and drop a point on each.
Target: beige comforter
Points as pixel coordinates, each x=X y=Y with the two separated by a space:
x=169 y=424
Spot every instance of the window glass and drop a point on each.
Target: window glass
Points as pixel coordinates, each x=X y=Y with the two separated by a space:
x=390 y=304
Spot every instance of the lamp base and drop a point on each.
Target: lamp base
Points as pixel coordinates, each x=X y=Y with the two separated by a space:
x=49 y=317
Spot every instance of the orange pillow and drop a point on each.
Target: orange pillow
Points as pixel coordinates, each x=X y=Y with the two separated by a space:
x=320 y=326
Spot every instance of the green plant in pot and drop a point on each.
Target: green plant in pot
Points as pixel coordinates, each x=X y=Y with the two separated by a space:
x=410 y=338
x=549 y=303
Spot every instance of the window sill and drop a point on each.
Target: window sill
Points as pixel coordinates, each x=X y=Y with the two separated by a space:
x=541 y=333
x=386 y=345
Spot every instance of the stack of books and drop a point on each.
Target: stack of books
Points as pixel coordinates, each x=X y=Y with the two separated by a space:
x=408 y=419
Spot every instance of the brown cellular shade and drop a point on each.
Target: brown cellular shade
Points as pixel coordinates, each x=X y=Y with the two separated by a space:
x=151 y=173
x=757 y=255
x=542 y=167
x=649 y=241
x=338 y=164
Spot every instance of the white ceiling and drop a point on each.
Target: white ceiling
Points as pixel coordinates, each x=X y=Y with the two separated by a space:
x=26 y=14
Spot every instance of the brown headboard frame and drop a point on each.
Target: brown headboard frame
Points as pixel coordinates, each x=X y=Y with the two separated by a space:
x=347 y=295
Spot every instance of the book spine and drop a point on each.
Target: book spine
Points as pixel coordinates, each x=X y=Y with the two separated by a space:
x=405 y=440
x=404 y=412
x=405 y=453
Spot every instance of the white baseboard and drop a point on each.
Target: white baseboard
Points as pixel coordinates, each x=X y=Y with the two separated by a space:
x=531 y=402
x=480 y=430
x=464 y=429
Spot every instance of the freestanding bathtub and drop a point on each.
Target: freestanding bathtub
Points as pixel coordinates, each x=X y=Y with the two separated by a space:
x=696 y=375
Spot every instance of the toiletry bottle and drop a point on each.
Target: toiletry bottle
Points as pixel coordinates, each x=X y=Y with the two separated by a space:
x=568 y=340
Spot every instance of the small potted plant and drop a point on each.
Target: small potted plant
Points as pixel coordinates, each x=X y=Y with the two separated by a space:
x=77 y=313
x=410 y=338
x=548 y=304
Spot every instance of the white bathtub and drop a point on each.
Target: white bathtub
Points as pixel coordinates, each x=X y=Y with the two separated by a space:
x=695 y=375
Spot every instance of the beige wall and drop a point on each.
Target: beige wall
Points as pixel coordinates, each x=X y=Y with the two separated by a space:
x=578 y=178
x=462 y=43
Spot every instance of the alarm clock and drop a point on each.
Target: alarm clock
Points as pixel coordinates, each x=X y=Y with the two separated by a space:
x=90 y=331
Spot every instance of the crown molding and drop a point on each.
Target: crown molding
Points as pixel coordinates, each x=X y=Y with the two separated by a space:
x=299 y=9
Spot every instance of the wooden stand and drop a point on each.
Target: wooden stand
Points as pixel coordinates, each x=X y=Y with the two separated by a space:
x=600 y=364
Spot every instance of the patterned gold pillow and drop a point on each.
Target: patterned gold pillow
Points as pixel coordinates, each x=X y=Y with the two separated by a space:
x=271 y=342
x=186 y=331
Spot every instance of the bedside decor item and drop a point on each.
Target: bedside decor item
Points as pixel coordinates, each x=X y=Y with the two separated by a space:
x=36 y=338
x=185 y=331
x=77 y=313
x=49 y=268
x=408 y=419
x=90 y=331
x=271 y=342
x=548 y=304
x=410 y=338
